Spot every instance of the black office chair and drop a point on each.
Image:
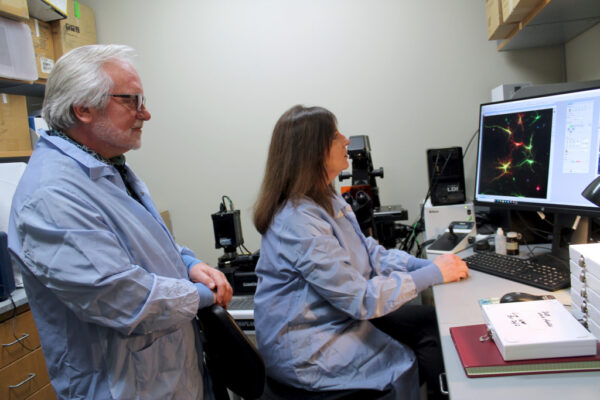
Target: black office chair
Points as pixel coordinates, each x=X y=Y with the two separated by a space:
x=231 y=359
x=275 y=390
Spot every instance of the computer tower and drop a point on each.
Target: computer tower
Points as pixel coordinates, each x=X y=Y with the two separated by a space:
x=446 y=176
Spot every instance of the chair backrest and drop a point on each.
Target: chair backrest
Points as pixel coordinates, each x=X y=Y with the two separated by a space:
x=7 y=280
x=231 y=358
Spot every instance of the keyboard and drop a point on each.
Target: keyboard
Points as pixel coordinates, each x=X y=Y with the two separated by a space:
x=242 y=303
x=241 y=309
x=545 y=277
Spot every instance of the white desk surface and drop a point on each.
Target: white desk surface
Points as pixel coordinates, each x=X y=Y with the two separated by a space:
x=19 y=297
x=457 y=304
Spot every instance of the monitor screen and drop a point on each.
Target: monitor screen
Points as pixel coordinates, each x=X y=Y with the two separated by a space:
x=539 y=153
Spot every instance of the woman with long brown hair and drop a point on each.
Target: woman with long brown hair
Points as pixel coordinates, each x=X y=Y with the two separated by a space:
x=322 y=284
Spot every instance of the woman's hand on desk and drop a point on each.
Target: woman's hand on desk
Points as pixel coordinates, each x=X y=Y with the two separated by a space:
x=215 y=280
x=452 y=267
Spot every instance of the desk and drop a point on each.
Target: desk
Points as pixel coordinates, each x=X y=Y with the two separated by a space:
x=19 y=297
x=457 y=304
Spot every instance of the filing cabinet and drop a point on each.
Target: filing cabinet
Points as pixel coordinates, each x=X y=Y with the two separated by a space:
x=584 y=261
x=23 y=373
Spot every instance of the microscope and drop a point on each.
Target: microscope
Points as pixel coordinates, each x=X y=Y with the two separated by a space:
x=363 y=195
x=238 y=268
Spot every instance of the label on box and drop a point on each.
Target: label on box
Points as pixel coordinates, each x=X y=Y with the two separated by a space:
x=46 y=64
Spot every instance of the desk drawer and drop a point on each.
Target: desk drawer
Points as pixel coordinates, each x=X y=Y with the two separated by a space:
x=27 y=376
x=24 y=328
x=45 y=393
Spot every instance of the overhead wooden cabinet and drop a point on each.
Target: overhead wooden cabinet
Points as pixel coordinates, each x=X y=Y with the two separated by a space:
x=551 y=23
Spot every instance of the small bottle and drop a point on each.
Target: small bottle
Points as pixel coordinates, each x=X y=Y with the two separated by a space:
x=500 y=242
x=512 y=243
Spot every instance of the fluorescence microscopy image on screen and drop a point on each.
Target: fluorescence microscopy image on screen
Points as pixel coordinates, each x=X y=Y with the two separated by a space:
x=515 y=154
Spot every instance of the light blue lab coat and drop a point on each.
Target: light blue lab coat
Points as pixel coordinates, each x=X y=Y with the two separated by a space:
x=105 y=280
x=320 y=280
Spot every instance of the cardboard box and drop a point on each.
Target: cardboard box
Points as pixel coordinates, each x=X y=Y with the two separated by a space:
x=496 y=28
x=78 y=29
x=517 y=10
x=14 y=9
x=14 y=129
x=43 y=46
x=47 y=10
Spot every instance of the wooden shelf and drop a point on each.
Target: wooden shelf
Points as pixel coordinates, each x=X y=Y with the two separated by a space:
x=34 y=89
x=15 y=154
x=551 y=23
x=34 y=93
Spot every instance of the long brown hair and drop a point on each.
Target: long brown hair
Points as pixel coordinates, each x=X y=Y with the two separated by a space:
x=296 y=162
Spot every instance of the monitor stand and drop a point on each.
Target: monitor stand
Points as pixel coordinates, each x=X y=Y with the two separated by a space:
x=563 y=235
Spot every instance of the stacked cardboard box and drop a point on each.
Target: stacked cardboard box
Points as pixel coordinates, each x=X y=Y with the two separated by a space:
x=14 y=130
x=14 y=9
x=496 y=27
x=78 y=29
x=585 y=284
x=33 y=48
x=517 y=10
x=43 y=46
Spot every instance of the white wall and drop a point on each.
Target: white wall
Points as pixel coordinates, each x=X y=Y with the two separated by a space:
x=583 y=56
x=218 y=74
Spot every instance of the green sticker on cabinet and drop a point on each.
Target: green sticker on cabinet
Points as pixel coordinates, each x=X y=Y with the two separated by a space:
x=76 y=6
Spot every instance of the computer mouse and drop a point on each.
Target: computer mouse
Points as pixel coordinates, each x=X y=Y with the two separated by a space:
x=520 y=296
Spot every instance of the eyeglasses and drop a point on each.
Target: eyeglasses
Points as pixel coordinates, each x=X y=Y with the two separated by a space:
x=133 y=100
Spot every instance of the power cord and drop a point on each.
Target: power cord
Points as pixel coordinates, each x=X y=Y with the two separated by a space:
x=418 y=226
x=20 y=340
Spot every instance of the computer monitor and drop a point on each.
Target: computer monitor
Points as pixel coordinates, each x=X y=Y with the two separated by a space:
x=539 y=153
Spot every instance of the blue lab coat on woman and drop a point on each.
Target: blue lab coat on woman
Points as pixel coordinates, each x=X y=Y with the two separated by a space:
x=320 y=281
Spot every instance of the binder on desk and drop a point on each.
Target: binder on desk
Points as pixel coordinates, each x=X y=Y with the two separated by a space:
x=537 y=329
x=481 y=358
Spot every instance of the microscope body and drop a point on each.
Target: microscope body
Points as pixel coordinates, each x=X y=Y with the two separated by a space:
x=363 y=195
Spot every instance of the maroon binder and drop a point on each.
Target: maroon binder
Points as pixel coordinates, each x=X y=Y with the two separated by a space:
x=482 y=358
